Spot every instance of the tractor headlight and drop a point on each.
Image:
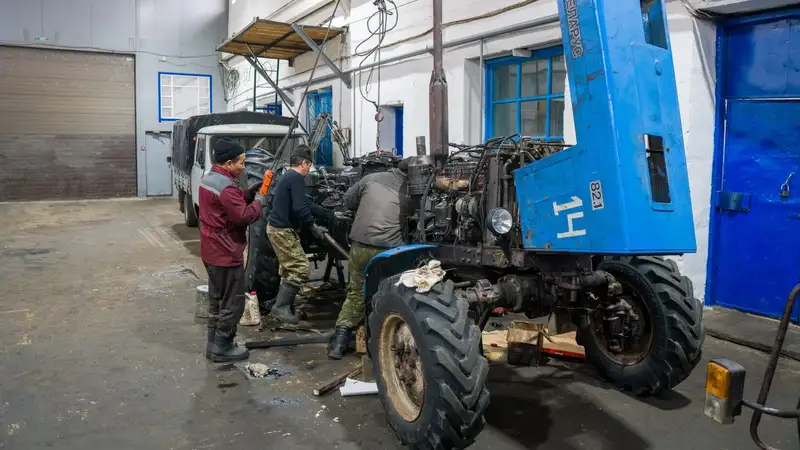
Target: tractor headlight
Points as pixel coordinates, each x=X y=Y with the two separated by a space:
x=500 y=221
x=724 y=390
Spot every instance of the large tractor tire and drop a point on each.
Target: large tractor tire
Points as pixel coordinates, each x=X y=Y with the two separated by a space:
x=671 y=332
x=428 y=366
x=189 y=213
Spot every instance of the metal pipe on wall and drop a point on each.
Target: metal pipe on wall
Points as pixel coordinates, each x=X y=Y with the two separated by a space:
x=482 y=93
x=547 y=20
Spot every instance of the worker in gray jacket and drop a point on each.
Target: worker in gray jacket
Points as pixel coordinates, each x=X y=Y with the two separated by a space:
x=382 y=208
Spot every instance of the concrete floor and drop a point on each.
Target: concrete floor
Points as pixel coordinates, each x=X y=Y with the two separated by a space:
x=99 y=350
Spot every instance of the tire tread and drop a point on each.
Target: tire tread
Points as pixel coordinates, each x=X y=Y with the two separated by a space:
x=670 y=364
x=459 y=370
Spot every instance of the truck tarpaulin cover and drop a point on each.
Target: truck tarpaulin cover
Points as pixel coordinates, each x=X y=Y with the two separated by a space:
x=184 y=131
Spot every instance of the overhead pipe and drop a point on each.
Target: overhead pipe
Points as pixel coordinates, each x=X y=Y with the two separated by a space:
x=522 y=26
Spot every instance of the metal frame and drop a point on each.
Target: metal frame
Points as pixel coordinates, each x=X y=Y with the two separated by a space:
x=314 y=47
x=538 y=55
x=719 y=134
x=252 y=58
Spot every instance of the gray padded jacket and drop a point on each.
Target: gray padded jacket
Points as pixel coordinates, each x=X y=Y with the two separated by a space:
x=381 y=206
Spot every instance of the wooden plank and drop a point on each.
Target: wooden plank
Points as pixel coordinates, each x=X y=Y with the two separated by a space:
x=337 y=380
x=264 y=33
x=564 y=344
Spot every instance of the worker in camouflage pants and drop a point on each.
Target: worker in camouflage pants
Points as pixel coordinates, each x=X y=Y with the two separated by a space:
x=294 y=268
x=382 y=208
x=292 y=210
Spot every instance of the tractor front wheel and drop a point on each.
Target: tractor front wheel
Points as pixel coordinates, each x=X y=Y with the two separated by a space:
x=666 y=341
x=428 y=365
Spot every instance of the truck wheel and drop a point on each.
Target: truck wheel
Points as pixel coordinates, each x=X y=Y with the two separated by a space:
x=181 y=200
x=669 y=335
x=189 y=213
x=428 y=366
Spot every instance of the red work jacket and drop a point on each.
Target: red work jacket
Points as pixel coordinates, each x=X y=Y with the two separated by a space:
x=224 y=217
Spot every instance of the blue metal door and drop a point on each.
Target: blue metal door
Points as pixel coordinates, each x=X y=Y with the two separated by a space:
x=755 y=241
x=321 y=103
x=398 y=130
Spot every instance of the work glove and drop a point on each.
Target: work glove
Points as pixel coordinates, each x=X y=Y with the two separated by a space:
x=251 y=191
x=261 y=199
x=319 y=232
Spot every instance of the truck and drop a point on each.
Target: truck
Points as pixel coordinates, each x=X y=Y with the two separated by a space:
x=193 y=141
x=582 y=235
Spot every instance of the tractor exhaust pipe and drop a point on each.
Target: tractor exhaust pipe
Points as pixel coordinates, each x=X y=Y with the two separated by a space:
x=439 y=128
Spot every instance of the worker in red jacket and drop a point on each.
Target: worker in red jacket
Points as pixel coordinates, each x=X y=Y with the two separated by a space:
x=225 y=214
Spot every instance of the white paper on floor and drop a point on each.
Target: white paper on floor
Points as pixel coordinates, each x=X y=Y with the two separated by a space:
x=355 y=387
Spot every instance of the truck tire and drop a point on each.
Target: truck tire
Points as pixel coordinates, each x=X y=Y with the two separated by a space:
x=181 y=200
x=673 y=320
x=189 y=213
x=428 y=366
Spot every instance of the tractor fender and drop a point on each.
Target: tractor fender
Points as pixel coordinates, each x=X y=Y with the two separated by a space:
x=391 y=262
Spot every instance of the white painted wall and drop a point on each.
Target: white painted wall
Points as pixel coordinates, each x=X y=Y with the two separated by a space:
x=406 y=82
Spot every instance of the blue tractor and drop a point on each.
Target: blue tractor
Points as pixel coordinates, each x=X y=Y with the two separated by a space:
x=579 y=233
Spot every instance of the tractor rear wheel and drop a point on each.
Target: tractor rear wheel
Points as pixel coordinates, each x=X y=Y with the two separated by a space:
x=428 y=366
x=669 y=333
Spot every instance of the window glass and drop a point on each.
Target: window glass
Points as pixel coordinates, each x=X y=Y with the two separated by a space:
x=534 y=118
x=534 y=78
x=557 y=117
x=533 y=108
x=505 y=119
x=505 y=82
x=559 y=75
x=200 y=151
x=184 y=96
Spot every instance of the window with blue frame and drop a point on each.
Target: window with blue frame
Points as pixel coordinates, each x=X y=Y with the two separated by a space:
x=183 y=95
x=526 y=95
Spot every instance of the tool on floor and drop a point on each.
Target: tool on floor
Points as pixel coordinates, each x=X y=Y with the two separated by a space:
x=286 y=342
x=337 y=380
x=289 y=328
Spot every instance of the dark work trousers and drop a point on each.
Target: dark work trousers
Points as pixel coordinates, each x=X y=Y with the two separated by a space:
x=226 y=298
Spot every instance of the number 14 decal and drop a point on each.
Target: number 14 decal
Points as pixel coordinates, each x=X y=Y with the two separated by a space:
x=574 y=204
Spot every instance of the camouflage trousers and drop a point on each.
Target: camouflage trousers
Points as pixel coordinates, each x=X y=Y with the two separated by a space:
x=294 y=268
x=352 y=312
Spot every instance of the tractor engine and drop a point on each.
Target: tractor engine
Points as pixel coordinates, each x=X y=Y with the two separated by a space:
x=472 y=199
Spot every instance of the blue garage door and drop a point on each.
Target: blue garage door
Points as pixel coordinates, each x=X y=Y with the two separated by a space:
x=755 y=257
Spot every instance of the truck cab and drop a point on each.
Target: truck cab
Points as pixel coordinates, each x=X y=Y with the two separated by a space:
x=266 y=137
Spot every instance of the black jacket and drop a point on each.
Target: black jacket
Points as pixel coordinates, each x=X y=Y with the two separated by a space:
x=291 y=207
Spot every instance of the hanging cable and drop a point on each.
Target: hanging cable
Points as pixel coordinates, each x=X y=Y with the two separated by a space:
x=295 y=121
x=383 y=17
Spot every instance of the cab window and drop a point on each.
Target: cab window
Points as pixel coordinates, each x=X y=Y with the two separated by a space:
x=200 y=152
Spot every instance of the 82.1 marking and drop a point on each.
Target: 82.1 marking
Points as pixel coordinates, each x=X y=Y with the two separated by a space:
x=596 y=194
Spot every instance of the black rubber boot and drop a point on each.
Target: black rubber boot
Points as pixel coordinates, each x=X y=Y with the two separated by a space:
x=210 y=341
x=340 y=345
x=283 y=308
x=225 y=350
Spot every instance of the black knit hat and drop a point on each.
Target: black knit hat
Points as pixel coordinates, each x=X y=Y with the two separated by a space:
x=302 y=151
x=226 y=149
